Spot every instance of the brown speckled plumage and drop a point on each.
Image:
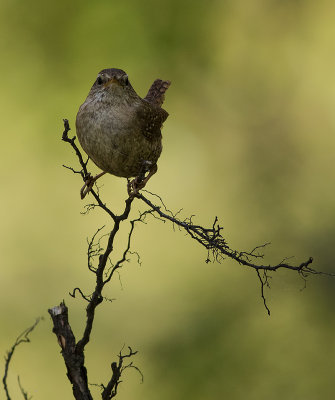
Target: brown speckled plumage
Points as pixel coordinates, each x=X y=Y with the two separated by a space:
x=118 y=129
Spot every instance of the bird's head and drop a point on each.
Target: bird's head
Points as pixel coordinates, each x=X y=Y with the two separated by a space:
x=113 y=82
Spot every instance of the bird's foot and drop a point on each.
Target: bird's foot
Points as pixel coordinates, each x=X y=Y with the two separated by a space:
x=134 y=186
x=87 y=186
x=141 y=180
x=89 y=182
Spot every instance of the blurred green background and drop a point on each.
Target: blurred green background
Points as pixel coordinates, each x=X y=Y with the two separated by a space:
x=250 y=138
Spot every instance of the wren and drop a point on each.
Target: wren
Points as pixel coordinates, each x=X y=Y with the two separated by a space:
x=120 y=131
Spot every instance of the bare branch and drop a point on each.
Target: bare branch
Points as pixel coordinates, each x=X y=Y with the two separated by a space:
x=24 y=393
x=110 y=390
x=84 y=172
x=73 y=352
x=211 y=238
x=77 y=289
x=97 y=297
x=213 y=241
x=72 y=169
x=74 y=360
x=100 y=264
x=22 y=338
x=94 y=250
x=262 y=289
x=127 y=250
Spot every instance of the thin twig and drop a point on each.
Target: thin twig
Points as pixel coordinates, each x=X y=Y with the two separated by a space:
x=22 y=338
x=262 y=291
x=110 y=390
x=24 y=393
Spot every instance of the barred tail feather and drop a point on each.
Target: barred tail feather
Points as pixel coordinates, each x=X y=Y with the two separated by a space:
x=156 y=94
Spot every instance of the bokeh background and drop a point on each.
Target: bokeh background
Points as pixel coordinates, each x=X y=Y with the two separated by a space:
x=250 y=138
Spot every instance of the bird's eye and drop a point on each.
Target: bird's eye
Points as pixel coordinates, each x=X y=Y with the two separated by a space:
x=99 y=80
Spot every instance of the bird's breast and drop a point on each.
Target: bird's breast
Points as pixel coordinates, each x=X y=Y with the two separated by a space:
x=111 y=135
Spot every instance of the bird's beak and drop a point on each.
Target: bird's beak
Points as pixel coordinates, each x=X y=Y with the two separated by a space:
x=111 y=82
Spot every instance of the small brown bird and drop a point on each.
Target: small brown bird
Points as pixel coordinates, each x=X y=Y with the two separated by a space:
x=120 y=131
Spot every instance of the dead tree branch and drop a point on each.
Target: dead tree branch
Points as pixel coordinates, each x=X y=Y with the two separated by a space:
x=24 y=393
x=110 y=390
x=72 y=351
x=74 y=360
x=100 y=264
x=22 y=338
x=211 y=237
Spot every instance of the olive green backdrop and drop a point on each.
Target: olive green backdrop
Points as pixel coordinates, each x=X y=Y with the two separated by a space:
x=250 y=138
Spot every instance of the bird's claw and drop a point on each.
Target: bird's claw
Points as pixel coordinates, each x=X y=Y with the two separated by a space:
x=89 y=182
x=141 y=180
x=134 y=186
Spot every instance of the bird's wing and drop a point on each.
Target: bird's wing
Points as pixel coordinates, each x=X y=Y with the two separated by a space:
x=151 y=119
x=156 y=92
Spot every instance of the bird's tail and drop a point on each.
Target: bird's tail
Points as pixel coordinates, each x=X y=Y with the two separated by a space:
x=156 y=94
